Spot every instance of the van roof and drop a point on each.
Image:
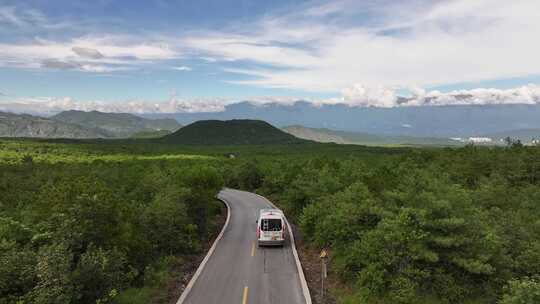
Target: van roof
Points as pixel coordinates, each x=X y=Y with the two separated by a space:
x=271 y=213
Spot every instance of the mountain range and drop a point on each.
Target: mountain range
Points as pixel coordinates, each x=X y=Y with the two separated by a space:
x=24 y=125
x=415 y=121
x=116 y=124
x=428 y=125
x=78 y=124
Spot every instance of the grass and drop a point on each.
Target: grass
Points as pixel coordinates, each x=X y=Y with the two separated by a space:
x=15 y=152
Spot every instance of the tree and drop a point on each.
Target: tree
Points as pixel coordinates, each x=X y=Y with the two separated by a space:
x=55 y=284
x=17 y=271
x=167 y=225
x=522 y=291
x=99 y=274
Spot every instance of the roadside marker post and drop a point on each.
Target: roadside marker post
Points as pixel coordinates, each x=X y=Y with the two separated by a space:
x=324 y=258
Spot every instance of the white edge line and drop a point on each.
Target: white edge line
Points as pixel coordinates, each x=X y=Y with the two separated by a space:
x=305 y=289
x=208 y=255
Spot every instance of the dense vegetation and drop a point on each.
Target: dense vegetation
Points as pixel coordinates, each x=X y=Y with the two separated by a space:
x=420 y=226
x=91 y=221
x=81 y=228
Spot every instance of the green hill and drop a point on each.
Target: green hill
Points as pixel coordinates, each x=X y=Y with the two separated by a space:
x=230 y=132
x=116 y=124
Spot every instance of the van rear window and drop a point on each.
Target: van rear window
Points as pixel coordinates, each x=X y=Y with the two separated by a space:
x=271 y=225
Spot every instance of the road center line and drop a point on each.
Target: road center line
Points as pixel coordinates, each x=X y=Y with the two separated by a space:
x=244 y=296
x=253 y=249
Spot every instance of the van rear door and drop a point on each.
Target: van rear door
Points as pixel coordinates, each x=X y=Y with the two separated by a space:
x=271 y=228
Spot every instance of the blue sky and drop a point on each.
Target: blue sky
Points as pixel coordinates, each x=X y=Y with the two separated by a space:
x=64 y=20
x=363 y=53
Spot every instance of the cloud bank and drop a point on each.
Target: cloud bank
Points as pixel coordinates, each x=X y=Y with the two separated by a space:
x=50 y=105
x=361 y=96
x=420 y=43
x=356 y=96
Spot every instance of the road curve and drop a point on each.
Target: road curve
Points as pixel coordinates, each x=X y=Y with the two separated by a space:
x=237 y=271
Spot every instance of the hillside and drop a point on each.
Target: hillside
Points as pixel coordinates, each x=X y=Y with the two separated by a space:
x=318 y=135
x=230 y=132
x=343 y=137
x=151 y=134
x=116 y=124
x=24 y=125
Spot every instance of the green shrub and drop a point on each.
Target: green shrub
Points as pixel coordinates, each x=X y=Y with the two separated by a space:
x=522 y=291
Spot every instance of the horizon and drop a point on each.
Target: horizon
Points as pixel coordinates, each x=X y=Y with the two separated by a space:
x=181 y=57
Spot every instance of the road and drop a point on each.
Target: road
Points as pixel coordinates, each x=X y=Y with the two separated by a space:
x=240 y=272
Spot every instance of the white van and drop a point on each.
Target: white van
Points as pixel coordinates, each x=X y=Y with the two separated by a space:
x=271 y=227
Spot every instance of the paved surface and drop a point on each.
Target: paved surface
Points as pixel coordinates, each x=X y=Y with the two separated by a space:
x=240 y=272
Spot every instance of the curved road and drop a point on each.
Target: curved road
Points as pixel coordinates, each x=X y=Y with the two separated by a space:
x=240 y=272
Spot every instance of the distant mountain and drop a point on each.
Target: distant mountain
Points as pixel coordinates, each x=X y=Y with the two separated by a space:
x=116 y=124
x=421 y=121
x=230 y=132
x=343 y=137
x=24 y=125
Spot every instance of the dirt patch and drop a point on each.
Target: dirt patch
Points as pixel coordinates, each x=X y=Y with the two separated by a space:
x=311 y=264
x=183 y=272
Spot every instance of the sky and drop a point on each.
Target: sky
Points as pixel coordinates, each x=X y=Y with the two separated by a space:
x=191 y=56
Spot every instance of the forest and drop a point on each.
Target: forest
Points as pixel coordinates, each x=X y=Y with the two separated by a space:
x=453 y=225
x=109 y=222
x=77 y=227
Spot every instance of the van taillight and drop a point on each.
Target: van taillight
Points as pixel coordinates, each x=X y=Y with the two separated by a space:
x=258 y=232
x=283 y=233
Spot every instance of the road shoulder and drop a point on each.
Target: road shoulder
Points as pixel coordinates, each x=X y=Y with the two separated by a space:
x=197 y=273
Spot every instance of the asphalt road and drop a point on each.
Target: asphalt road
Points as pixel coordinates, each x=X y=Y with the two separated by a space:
x=240 y=272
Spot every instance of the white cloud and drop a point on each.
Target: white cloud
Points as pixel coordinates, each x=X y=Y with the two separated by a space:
x=387 y=97
x=8 y=15
x=52 y=105
x=356 y=96
x=325 y=9
x=360 y=95
x=414 y=43
x=474 y=140
x=182 y=68
x=89 y=53
x=13 y=18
